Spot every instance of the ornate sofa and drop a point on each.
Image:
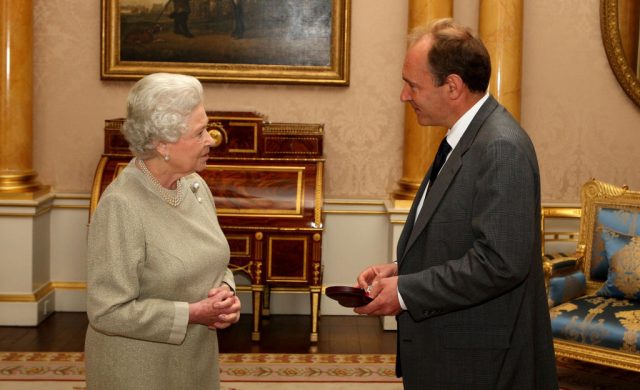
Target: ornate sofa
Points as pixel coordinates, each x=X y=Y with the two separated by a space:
x=594 y=296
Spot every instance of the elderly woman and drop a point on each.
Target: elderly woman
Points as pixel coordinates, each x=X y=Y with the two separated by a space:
x=158 y=279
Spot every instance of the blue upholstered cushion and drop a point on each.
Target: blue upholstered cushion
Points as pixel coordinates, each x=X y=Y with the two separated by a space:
x=598 y=321
x=565 y=288
x=623 y=221
x=623 y=254
x=566 y=282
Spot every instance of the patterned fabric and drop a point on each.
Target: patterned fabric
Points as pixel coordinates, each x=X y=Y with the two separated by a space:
x=623 y=254
x=566 y=281
x=599 y=321
x=565 y=288
x=622 y=221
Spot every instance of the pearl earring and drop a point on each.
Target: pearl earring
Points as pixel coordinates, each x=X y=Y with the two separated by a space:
x=166 y=157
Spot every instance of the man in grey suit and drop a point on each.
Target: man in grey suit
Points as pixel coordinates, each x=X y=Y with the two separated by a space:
x=467 y=287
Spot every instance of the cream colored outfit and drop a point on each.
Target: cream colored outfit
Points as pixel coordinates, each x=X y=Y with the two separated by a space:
x=147 y=261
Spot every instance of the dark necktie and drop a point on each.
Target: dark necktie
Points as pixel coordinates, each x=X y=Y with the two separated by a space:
x=438 y=162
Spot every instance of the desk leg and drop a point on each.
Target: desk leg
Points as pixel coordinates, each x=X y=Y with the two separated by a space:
x=257 y=306
x=315 y=312
x=266 y=302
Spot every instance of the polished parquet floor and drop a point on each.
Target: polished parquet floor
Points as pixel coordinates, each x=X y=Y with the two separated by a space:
x=64 y=332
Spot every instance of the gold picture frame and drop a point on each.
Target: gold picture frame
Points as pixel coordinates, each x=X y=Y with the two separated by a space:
x=244 y=41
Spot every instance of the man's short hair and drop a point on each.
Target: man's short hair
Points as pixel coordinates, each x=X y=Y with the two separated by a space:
x=455 y=50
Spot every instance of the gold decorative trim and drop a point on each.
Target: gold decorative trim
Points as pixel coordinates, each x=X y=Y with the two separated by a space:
x=558 y=212
x=294 y=290
x=265 y=159
x=37 y=295
x=561 y=212
x=355 y=202
x=69 y=285
x=615 y=54
x=21 y=185
x=354 y=212
x=406 y=190
x=319 y=195
x=403 y=203
x=293 y=128
x=269 y=228
x=286 y=289
x=257 y=117
x=245 y=268
x=335 y=73
x=595 y=196
x=43 y=291
x=598 y=355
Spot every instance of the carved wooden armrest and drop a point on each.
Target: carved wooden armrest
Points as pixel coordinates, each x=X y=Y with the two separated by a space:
x=559 y=264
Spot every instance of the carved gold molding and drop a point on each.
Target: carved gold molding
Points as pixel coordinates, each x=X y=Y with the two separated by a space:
x=596 y=195
x=607 y=357
x=43 y=291
x=613 y=47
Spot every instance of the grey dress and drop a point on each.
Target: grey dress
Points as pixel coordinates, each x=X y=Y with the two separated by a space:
x=147 y=260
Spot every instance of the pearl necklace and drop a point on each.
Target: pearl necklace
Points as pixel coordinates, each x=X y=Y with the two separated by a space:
x=173 y=197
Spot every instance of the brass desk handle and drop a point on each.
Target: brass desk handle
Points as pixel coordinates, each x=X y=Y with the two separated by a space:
x=217 y=137
x=218 y=133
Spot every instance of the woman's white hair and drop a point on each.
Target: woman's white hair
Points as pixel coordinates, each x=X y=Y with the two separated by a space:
x=158 y=108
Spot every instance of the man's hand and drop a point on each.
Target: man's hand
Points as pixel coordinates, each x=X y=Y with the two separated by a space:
x=371 y=275
x=381 y=283
x=385 y=298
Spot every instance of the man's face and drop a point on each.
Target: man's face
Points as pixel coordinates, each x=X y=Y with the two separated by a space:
x=428 y=101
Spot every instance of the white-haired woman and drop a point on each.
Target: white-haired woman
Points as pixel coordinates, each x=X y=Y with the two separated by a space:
x=158 y=279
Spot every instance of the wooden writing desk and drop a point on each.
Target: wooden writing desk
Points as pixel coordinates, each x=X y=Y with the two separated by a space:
x=266 y=179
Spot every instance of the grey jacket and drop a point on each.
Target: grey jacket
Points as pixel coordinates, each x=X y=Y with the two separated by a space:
x=470 y=269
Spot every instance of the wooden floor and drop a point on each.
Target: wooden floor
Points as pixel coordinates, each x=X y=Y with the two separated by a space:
x=64 y=332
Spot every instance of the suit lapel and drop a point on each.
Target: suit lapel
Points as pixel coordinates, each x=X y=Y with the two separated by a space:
x=446 y=175
x=408 y=225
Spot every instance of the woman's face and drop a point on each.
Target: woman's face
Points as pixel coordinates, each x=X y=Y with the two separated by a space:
x=190 y=153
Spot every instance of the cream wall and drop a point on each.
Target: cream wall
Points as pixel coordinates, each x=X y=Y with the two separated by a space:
x=363 y=122
x=582 y=123
x=580 y=119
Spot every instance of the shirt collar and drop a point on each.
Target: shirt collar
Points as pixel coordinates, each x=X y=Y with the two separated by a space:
x=457 y=130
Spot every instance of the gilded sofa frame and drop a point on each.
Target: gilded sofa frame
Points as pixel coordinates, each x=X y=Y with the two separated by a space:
x=596 y=194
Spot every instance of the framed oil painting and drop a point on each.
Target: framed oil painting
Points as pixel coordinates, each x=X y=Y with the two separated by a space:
x=251 y=41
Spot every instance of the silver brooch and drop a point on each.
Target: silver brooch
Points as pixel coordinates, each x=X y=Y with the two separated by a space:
x=194 y=188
